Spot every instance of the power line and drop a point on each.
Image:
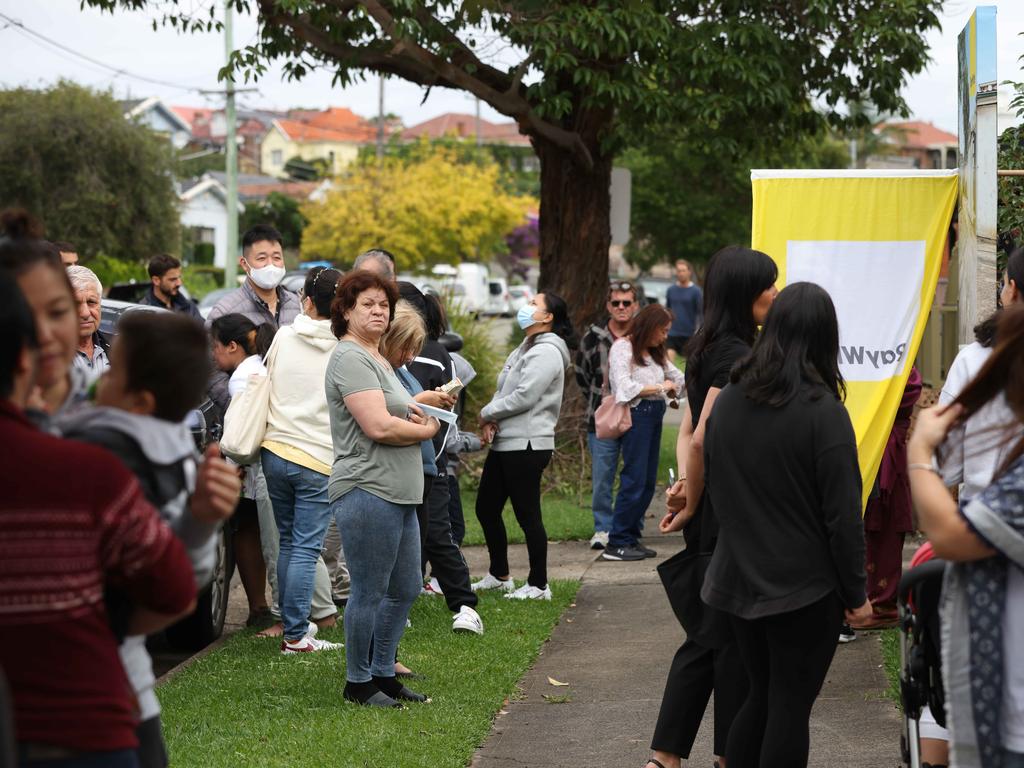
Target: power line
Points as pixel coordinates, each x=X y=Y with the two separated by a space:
x=19 y=26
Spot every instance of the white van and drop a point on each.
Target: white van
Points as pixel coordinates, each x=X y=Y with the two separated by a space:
x=467 y=284
x=497 y=297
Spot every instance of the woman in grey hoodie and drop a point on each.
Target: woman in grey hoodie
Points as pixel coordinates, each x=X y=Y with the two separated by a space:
x=520 y=423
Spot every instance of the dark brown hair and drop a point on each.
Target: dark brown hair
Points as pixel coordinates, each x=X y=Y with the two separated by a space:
x=347 y=294
x=647 y=323
x=165 y=354
x=1003 y=372
x=23 y=249
x=161 y=264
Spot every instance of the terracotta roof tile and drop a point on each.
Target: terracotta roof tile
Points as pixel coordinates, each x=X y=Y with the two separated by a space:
x=915 y=133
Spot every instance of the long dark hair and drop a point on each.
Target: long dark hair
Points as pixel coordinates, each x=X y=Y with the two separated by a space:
x=1003 y=372
x=244 y=332
x=736 y=276
x=319 y=288
x=561 y=326
x=798 y=345
x=642 y=330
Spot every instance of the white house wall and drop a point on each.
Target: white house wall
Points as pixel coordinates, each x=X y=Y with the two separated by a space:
x=208 y=211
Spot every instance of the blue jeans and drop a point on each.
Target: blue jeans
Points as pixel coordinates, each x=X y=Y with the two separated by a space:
x=1013 y=760
x=302 y=513
x=641 y=446
x=604 y=461
x=382 y=546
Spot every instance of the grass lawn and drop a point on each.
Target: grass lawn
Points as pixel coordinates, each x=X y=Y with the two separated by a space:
x=564 y=518
x=890 y=640
x=246 y=704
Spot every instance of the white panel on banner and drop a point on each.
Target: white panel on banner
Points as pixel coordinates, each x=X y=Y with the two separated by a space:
x=861 y=275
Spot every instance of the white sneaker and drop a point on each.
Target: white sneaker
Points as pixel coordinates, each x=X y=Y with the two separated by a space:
x=529 y=592
x=599 y=540
x=493 y=582
x=308 y=645
x=468 y=620
x=312 y=629
x=433 y=587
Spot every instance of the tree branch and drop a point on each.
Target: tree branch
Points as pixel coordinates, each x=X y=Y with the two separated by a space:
x=410 y=61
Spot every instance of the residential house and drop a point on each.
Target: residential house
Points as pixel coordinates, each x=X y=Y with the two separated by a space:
x=471 y=128
x=153 y=113
x=204 y=215
x=333 y=135
x=209 y=129
x=255 y=188
x=917 y=144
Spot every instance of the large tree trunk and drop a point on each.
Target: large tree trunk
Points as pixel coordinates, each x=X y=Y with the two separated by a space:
x=575 y=230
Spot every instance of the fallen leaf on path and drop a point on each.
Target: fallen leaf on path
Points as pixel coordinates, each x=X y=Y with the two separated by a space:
x=556 y=682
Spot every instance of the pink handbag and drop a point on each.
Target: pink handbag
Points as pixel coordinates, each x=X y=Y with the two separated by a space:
x=612 y=419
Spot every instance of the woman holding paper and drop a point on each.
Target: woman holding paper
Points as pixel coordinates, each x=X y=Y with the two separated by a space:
x=520 y=423
x=376 y=483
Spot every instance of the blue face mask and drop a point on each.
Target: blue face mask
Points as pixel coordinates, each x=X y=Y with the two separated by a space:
x=525 y=316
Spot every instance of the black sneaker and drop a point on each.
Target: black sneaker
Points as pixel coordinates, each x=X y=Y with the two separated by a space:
x=623 y=553
x=847 y=634
x=648 y=552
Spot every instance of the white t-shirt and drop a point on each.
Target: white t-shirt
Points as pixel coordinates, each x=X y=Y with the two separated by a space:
x=973 y=452
x=239 y=380
x=253 y=364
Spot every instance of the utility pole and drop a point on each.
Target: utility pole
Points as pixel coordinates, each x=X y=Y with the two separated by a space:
x=231 y=155
x=380 y=118
x=479 y=141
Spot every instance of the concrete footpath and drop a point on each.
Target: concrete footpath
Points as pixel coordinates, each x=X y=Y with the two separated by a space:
x=614 y=646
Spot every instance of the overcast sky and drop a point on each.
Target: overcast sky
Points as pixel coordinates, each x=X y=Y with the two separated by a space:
x=127 y=41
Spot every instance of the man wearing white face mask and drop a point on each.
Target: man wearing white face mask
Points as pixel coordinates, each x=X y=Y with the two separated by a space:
x=262 y=299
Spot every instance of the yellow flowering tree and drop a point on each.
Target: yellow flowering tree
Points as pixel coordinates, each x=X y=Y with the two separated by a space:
x=427 y=208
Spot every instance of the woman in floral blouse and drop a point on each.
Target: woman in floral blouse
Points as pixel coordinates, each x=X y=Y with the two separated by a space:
x=641 y=375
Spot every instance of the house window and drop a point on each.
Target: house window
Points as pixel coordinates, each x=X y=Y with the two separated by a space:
x=276 y=158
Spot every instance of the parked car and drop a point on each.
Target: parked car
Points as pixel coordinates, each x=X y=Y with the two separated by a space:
x=206 y=623
x=466 y=284
x=134 y=290
x=518 y=296
x=210 y=300
x=655 y=290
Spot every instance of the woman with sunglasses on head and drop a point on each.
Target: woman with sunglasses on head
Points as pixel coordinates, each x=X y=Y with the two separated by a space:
x=297 y=454
x=739 y=289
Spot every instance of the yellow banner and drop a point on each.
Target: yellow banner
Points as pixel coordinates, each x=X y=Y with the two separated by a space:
x=874 y=241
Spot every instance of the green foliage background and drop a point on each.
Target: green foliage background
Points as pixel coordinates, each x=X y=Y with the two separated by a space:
x=69 y=156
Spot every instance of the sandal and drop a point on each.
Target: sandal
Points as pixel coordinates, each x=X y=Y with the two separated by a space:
x=655 y=762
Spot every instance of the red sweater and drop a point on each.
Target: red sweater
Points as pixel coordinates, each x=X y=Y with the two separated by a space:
x=73 y=519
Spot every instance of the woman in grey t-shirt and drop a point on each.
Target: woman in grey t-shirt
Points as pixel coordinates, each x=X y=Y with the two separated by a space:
x=376 y=483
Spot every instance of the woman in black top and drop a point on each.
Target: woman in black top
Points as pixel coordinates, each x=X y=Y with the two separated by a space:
x=783 y=480
x=738 y=291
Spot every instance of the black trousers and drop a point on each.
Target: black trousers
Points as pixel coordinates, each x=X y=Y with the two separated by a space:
x=458 y=519
x=439 y=549
x=514 y=475
x=786 y=657
x=696 y=671
x=151 y=750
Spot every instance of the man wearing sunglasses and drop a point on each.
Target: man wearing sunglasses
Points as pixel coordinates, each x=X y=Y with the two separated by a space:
x=591 y=374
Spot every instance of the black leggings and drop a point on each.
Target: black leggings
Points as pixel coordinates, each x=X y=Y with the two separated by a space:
x=787 y=657
x=514 y=475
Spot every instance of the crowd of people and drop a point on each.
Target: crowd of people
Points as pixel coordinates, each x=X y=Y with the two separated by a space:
x=351 y=500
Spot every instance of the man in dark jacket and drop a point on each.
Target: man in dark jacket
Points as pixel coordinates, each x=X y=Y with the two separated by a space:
x=165 y=290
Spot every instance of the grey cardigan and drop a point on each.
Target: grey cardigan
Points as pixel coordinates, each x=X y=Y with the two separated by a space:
x=529 y=395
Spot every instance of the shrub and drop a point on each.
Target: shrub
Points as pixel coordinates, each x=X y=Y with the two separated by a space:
x=110 y=270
